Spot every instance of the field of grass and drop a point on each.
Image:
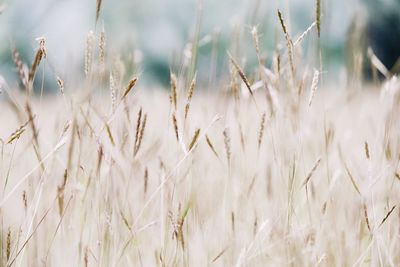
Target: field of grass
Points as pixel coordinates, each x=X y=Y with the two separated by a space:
x=275 y=169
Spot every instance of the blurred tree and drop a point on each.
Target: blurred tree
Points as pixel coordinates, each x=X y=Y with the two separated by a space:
x=379 y=30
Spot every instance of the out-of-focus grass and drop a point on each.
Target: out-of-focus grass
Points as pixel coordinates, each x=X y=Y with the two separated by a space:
x=266 y=166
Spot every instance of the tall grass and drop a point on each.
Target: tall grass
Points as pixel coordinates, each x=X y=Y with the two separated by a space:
x=298 y=175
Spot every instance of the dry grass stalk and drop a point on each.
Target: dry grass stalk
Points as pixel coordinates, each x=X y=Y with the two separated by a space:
x=139 y=132
x=233 y=221
x=60 y=193
x=261 y=131
x=60 y=83
x=145 y=180
x=98 y=7
x=129 y=87
x=21 y=68
x=233 y=84
x=310 y=174
x=211 y=146
x=174 y=95
x=138 y=123
x=102 y=50
x=255 y=226
x=243 y=77
x=71 y=144
x=227 y=142
x=254 y=34
x=241 y=74
x=314 y=86
x=318 y=16
x=32 y=123
x=86 y=257
x=190 y=95
x=89 y=53
x=8 y=245
x=289 y=44
x=377 y=63
x=109 y=133
x=25 y=200
x=113 y=91
x=387 y=215
x=175 y=123
x=178 y=225
x=17 y=133
x=194 y=139
x=353 y=182
x=304 y=34
x=40 y=54
x=241 y=135
x=29 y=237
x=366 y=217
x=219 y=255
x=278 y=64
x=366 y=150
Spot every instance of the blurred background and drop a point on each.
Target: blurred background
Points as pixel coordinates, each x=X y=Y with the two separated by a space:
x=153 y=36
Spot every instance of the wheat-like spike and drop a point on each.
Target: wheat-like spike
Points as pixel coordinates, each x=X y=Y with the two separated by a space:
x=146 y=180
x=289 y=43
x=137 y=132
x=304 y=34
x=241 y=74
x=25 y=200
x=314 y=85
x=60 y=190
x=16 y=135
x=310 y=174
x=318 y=16
x=261 y=131
x=254 y=34
x=278 y=64
x=175 y=123
x=190 y=95
x=110 y=136
x=211 y=146
x=98 y=7
x=60 y=83
x=113 y=91
x=227 y=142
x=233 y=221
x=129 y=87
x=21 y=68
x=174 y=97
x=141 y=134
x=8 y=245
x=242 y=139
x=243 y=77
x=102 y=49
x=194 y=139
x=100 y=155
x=86 y=257
x=366 y=147
x=40 y=54
x=32 y=122
x=366 y=217
x=89 y=53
